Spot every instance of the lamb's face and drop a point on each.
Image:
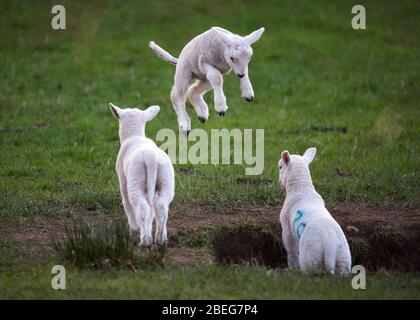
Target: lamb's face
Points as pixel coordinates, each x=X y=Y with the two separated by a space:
x=238 y=51
x=237 y=56
x=290 y=164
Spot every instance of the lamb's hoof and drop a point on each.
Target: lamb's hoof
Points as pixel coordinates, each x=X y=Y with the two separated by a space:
x=162 y=246
x=146 y=242
x=221 y=113
x=249 y=99
x=146 y=246
x=185 y=132
x=135 y=237
x=202 y=119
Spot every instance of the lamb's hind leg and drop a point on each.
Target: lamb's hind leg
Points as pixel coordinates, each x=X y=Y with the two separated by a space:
x=343 y=261
x=129 y=210
x=131 y=216
x=141 y=207
x=144 y=214
x=181 y=83
x=161 y=216
x=195 y=95
x=311 y=253
x=162 y=200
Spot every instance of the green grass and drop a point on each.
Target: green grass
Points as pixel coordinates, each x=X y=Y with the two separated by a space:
x=200 y=281
x=310 y=68
x=102 y=246
x=86 y=245
x=59 y=141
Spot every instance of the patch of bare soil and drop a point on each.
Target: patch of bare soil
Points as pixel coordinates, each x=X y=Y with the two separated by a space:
x=378 y=237
x=187 y=255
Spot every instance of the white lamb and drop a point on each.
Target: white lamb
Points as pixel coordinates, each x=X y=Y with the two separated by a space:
x=207 y=58
x=312 y=238
x=145 y=174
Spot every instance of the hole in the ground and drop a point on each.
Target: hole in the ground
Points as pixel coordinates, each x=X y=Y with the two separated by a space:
x=249 y=244
x=385 y=248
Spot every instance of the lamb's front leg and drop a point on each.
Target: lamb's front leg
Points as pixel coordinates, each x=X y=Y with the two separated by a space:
x=216 y=80
x=291 y=245
x=246 y=88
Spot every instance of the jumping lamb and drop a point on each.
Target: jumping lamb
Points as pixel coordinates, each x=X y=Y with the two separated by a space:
x=145 y=174
x=312 y=238
x=207 y=58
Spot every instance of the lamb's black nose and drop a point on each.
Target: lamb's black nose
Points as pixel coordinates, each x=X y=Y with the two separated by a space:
x=241 y=75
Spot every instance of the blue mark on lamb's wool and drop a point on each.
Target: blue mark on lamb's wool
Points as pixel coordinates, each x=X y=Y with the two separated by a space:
x=298 y=224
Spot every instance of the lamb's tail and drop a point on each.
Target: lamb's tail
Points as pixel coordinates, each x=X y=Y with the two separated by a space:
x=165 y=55
x=330 y=255
x=151 y=164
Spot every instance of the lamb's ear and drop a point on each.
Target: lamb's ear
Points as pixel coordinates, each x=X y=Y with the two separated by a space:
x=115 y=110
x=285 y=156
x=309 y=155
x=224 y=35
x=151 y=112
x=254 y=36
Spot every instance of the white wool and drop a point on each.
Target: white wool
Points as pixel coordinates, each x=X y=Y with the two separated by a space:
x=312 y=238
x=207 y=58
x=145 y=174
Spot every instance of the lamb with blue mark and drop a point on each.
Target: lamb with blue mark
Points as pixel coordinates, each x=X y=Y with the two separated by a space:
x=298 y=224
x=313 y=239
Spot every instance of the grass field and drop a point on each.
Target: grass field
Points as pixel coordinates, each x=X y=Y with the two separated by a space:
x=310 y=70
